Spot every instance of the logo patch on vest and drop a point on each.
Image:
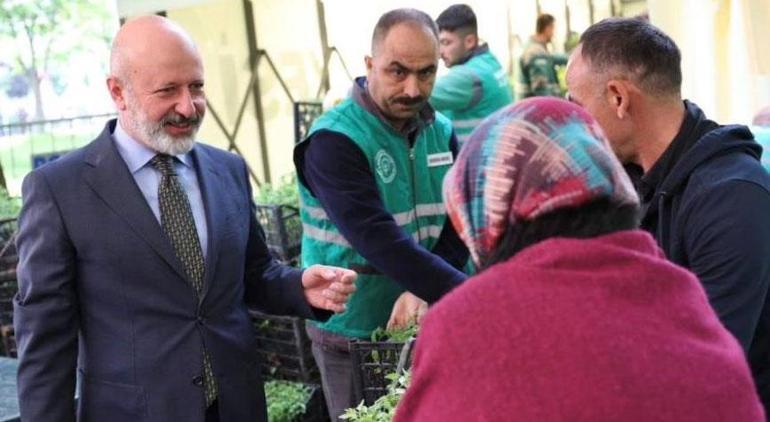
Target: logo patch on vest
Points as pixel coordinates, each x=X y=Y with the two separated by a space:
x=440 y=159
x=385 y=166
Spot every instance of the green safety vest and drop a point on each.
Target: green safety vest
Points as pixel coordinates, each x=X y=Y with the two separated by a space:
x=538 y=75
x=410 y=185
x=470 y=92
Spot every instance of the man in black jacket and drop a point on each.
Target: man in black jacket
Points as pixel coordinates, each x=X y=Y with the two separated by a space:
x=705 y=196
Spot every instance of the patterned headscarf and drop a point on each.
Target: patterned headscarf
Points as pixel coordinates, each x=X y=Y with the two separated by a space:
x=524 y=161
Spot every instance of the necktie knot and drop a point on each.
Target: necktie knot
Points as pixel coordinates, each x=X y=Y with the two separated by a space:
x=164 y=163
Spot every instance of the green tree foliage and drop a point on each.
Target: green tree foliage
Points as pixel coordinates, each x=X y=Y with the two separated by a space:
x=283 y=193
x=46 y=33
x=9 y=207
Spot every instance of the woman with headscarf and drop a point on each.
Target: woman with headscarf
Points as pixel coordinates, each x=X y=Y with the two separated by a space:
x=575 y=315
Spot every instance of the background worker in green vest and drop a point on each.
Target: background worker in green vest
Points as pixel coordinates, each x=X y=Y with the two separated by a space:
x=370 y=179
x=537 y=65
x=476 y=85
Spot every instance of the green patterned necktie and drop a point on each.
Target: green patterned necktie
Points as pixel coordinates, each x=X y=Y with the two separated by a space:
x=177 y=221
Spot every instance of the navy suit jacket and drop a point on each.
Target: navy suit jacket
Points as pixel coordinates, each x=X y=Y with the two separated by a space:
x=102 y=291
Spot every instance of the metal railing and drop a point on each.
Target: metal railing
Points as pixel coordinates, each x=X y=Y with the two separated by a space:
x=37 y=126
x=20 y=143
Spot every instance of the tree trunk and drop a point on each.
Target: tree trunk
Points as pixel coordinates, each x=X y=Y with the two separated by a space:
x=3 y=185
x=35 y=82
x=32 y=73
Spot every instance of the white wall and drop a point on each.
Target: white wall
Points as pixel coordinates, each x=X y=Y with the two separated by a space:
x=143 y=7
x=725 y=53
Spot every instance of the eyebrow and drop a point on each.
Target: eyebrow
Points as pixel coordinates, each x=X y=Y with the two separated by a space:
x=424 y=69
x=162 y=87
x=175 y=84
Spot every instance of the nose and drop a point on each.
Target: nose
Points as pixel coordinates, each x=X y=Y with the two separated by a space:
x=412 y=86
x=186 y=104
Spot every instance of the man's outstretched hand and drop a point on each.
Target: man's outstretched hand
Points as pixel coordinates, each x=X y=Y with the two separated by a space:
x=407 y=309
x=328 y=287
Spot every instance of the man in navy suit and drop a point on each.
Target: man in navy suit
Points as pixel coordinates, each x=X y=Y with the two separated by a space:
x=139 y=255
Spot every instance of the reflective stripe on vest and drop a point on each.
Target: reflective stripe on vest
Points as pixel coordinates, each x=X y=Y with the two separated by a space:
x=402 y=218
x=467 y=123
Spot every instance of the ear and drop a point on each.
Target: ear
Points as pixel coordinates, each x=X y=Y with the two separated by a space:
x=618 y=97
x=470 y=41
x=117 y=92
x=369 y=61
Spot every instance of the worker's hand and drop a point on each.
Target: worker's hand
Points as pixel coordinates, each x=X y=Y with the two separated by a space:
x=408 y=308
x=328 y=287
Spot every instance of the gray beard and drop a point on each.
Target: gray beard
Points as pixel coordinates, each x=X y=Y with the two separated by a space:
x=164 y=143
x=152 y=134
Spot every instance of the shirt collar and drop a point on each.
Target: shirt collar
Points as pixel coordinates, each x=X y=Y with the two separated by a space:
x=475 y=51
x=136 y=154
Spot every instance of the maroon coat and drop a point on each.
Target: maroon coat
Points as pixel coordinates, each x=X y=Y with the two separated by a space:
x=579 y=330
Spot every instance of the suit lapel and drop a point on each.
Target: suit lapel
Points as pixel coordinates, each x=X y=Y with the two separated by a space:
x=107 y=174
x=212 y=192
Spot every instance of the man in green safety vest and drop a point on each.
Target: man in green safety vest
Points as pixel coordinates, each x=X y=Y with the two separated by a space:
x=476 y=85
x=538 y=66
x=370 y=179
